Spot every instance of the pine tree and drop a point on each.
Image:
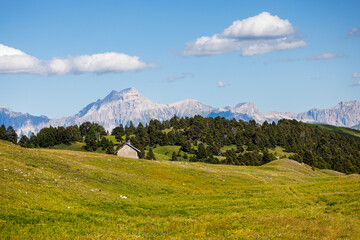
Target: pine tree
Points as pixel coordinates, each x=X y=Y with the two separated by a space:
x=91 y=144
x=231 y=157
x=174 y=157
x=141 y=154
x=24 y=141
x=33 y=141
x=186 y=146
x=74 y=133
x=129 y=130
x=110 y=149
x=11 y=134
x=118 y=132
x=150 y=155
x=104 y=143
x=3 y=134
x=142 y=135
x=201 y=152
x=267 y=157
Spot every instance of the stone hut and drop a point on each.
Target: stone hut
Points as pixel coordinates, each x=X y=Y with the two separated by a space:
x=128 y=151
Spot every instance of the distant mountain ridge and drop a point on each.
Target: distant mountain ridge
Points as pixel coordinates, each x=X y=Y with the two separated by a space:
x=345 y=114
x=129 y=105
x=23 y=123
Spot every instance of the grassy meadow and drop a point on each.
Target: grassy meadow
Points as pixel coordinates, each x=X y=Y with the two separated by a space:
x=64 y=194
x=341 y=130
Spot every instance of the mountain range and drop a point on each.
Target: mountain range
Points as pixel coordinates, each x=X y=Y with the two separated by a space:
x=129 y=105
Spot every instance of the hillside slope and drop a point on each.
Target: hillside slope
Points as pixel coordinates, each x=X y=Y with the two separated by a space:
x=61 y=194
x=341 y=130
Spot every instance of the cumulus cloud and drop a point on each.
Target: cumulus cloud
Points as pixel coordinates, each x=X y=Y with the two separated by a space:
x=255 y=35
x=222 y=84
x=15 y=61
x=182 y=76
x=260 y=26
x=354 y=31
x=324 y=56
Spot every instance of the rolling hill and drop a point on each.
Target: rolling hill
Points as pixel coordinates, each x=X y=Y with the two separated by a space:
x=61 y=194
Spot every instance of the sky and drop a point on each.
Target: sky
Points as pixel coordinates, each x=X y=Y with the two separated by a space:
x=56 y=57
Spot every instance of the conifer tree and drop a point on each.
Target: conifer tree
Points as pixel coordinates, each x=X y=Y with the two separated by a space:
x=3 y=134
x=118 y=132
x=33 y=141
x=110 y=149
x=24 y=141
x=11 y=134
x=201 y=152
x=174 y=156
x=150 y=155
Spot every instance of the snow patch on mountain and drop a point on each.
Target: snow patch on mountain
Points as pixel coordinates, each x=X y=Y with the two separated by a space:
x=129 y=105
x=345 y=114
x=190 y=107
x=23 y=123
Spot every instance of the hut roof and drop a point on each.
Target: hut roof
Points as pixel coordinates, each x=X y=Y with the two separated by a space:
x=128 y=144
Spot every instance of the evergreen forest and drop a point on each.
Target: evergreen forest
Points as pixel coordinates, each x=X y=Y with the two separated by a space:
x=203 y=140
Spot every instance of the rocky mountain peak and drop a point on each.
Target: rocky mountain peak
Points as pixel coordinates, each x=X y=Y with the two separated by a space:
x=129 y=105
x=128 y=93
x=350 y=104
x=246 y=105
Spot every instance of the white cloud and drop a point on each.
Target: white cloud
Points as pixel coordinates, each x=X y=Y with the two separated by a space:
x=9 y=51
x=15 y=61
x=182 y=76
x=205 y=46
x=265 y=46
x=324 y=56
x=354 y=31
x=255 y=35
x=260 y=26
x=222 y=84
x=356 y=75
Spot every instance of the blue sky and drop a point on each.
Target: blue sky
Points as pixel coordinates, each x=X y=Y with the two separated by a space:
x=311 y=56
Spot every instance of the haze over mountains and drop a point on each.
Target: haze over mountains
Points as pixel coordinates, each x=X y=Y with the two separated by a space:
x=129 y=105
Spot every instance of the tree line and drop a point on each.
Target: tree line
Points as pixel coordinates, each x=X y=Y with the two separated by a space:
x=90 y=133
x=8 y=134
x=201 y=139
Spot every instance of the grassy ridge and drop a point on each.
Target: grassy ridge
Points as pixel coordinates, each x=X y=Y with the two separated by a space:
x=341 y=130
x=53 y=194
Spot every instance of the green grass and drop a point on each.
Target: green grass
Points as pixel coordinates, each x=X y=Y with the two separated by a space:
x=75 y=146
x=165 y=152
x=225 y=148
x=280 y=152
x=167 y=130
x=112 y=138
x=61 y=194
x=342 y=130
